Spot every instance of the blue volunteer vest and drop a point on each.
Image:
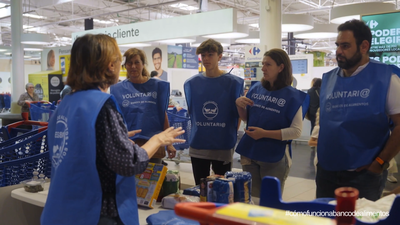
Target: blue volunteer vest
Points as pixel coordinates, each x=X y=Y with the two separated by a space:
x=354 y=126
x=212 y=110
x=143 y=105
x=75 y=194
x=272 y=110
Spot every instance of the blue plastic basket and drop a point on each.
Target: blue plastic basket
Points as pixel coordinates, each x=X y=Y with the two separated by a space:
x=41 y=111
x=18 y=161
x=184 y=122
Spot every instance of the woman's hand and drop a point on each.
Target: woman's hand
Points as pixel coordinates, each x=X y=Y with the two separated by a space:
x=168 y=136
x=171 y=151
x=255 y=132
x=243 y=102
x=133 y=132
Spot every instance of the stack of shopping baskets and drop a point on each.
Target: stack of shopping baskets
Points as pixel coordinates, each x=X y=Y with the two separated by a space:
x=180 y=119
x=24 y=148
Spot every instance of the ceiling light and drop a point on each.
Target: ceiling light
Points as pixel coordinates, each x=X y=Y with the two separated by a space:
x=3 y=50
x=177 y=40
x=34 y=16
x=199 y=40
x=320 y=31
x=240 y=32
x=35 y=39
x=184 y=6
x=26 y=27
x=341 y=14
x=27 y=56
x=136 y=45
x=33 y=49
x=256 y=25
x=297 y=22
x=105 y=21
x=253 y=38
x=7 y=53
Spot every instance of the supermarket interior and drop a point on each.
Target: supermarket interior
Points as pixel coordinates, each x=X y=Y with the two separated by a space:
x=192 y=63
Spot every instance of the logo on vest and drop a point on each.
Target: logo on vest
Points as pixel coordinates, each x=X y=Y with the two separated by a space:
x=210 y=110
x=154 y=94
x=125 y=103
x=60 y=150
x=279 y=101
x=328 y=107
x=364 y=93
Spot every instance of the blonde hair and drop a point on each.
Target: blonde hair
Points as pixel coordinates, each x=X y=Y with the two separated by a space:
x=132 y=52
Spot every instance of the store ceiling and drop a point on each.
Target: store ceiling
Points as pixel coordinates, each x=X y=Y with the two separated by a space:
x=60 y=20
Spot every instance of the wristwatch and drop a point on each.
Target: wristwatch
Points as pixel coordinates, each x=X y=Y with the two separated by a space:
x=383 y=164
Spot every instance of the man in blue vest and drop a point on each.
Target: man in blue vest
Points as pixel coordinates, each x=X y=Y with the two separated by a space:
x=358 y=98
x=211 y=104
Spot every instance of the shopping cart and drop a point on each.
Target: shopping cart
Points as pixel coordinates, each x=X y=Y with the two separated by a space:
x=180 y=119
x=22 y=155
x=41 y=111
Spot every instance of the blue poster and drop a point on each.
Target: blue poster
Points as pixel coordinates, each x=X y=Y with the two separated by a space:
x=189 y=58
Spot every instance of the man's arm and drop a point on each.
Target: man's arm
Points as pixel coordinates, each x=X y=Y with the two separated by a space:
x=391 y=148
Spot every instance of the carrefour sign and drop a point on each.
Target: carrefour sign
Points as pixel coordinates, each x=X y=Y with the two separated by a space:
x=385 y=44
x=254 y=53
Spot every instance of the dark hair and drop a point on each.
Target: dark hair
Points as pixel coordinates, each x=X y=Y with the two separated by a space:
x=153 y=73
x=132 y=52
x=155 y=51
x=317 y=82
x=210 y=45
x=285 y=77
x=91 y=55
x=360 y=30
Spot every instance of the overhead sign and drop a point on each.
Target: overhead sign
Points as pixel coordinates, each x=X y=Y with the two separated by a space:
x=254 y=53
x=385 y=44
x=213 y=22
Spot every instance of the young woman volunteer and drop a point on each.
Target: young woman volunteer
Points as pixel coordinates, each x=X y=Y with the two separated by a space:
x=273 y=111
x=93 y=159
x=143 y=101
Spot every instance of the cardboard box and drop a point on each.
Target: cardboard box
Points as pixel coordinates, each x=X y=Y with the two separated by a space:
x=148 y=184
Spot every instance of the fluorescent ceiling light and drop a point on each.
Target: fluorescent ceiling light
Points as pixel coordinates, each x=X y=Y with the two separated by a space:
x=241 y=31
x=341 y=14
x=320 y=31
x=34 y=16
x=253 y=38
x=297 y=22
x=3 y=50
x=35 y=39
x=177 y=40
x=184 y=6
x=26 y=26
x=256 y=25
x=27 y=56
x=136 y=45
x=111 y=21
x=7 y=53
x=33 y=49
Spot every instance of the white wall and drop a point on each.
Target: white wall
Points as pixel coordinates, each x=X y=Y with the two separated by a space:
x=177 y=78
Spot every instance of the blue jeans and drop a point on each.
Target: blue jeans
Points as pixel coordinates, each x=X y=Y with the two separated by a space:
x=260 y=169
x=370 y=185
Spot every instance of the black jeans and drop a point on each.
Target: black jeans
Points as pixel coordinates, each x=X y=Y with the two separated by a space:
x=201 y=168
x=370 y=185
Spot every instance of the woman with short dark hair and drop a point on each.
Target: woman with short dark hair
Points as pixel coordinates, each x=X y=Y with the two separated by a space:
x=93 y=159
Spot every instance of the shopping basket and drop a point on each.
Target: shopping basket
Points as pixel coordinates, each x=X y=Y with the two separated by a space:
x=16 y=129
x=41 y=111
x=179 y=120
x=19 y=160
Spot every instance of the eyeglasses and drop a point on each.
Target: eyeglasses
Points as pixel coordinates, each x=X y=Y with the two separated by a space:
x=31 y=87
